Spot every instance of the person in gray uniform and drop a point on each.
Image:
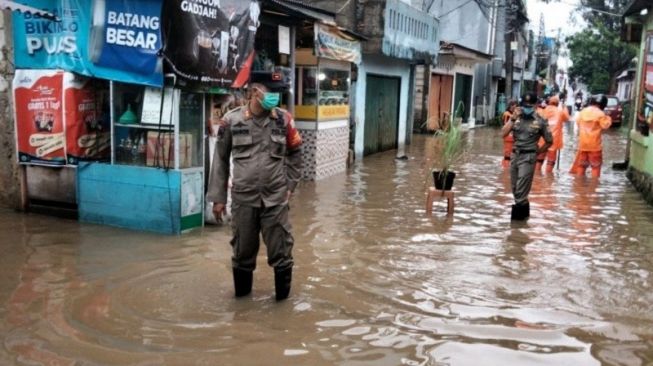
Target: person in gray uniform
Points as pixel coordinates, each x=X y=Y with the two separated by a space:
x=266 y=151
x=527 y=128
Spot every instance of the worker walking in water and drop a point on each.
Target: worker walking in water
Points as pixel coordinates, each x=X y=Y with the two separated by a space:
x=556 y=118
x=591 y=123
x=527 y=128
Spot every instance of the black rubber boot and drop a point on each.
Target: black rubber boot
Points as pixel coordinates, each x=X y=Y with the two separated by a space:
x=282 y=279
x=242 y=282
x=520 y=212
x=527 y=210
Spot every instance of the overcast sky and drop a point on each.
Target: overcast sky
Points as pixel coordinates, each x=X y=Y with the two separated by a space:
x=557 y=15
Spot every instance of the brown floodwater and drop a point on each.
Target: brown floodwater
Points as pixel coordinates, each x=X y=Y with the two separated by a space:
x=376 y=281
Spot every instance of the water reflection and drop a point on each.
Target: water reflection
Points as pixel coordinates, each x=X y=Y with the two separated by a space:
x=377 y=282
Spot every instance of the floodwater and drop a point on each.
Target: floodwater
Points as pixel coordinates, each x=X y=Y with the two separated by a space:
x=376 y=282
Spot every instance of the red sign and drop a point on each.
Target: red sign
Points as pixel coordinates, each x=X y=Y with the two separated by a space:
x=87 y=135
x=39 y=117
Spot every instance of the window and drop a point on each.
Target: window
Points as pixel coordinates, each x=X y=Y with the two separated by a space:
x=334 y=87
x=308 y=93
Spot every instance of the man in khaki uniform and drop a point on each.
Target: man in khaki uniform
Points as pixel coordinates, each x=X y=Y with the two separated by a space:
x=527 y=128
x=266 y=151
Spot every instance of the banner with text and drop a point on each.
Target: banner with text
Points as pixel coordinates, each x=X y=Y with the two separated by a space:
x=331 y=43
x=211 y=41
x=116 y=40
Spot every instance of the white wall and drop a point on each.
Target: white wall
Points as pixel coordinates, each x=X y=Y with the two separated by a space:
x=383 y=66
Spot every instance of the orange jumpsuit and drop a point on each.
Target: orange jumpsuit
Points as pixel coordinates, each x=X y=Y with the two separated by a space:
x=591 y=122
x=556 y=118
x=507 y=142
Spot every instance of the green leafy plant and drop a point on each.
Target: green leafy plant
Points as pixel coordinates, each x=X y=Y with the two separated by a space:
x=450 y=147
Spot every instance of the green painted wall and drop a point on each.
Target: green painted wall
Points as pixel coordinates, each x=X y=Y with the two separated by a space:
x=641 y=150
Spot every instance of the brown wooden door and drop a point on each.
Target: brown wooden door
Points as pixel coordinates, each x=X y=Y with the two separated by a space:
x=440 y=94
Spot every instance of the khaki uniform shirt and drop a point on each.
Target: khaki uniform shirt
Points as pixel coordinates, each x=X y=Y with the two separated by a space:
x=527 y=133
x=266 y=155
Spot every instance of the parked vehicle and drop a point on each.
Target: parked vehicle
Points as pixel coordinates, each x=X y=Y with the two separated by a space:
x=614 y=110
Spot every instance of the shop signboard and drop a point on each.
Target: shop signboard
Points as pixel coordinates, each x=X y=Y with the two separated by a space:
x=126 y=35
x=116 y=40
x=39 y=117
x=211 y=42
x=331 y=43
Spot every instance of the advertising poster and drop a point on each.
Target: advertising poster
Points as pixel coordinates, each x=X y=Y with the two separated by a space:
x=39 y=117
x=211 y=42
x=109 y=39
x=645 y=114
x=86 y=121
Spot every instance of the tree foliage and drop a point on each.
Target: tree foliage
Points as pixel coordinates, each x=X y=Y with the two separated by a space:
x=597 y=53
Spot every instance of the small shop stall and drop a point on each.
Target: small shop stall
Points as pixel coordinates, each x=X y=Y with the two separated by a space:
x=155 y=181
x=323 y=94
x=96 y=115
x=303 y=54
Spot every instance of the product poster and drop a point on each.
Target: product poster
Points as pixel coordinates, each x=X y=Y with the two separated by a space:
x=211 y=42
x=645 y=113
x=39 y=117
x=109 y=39
x=86 y=120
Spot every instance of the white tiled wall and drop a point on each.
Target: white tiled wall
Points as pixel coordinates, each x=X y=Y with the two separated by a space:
x=325 y=152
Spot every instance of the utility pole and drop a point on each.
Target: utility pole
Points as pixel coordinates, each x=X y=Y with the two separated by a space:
x=539 y=53
x=511 y=10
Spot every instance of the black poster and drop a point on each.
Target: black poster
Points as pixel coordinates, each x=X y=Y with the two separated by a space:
x=211 y=41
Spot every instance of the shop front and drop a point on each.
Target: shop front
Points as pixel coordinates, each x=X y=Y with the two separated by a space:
x=452 y=85
x=638 y=28
x=112 y=104
x=117 y=102
x=322 y=102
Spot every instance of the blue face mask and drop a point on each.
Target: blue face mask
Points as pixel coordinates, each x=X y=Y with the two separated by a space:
x=270 y=100
x=527 y=111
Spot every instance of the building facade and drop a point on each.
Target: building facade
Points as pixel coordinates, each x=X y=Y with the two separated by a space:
x=486 y=30
x=638 y=28
x=398 y=36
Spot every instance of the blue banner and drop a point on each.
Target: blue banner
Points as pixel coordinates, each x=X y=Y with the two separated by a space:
x=109 y=39
x=128 y=34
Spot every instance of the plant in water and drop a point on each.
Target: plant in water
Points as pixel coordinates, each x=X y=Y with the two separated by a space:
x=449 y=145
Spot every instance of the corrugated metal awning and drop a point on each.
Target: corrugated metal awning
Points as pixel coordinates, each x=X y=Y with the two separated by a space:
x=14 y=6
x=300 y=9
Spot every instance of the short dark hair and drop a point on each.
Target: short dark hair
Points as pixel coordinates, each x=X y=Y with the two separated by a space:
x=528 y=99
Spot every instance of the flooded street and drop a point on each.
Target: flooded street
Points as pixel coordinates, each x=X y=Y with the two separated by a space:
x=376 y=282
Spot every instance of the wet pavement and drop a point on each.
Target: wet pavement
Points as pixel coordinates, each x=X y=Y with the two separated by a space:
x=376 y=282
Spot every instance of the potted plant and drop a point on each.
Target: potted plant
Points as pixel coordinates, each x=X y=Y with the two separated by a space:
x=450 y=149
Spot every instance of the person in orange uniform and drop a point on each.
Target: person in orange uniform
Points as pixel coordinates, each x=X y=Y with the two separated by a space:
x=556 y=118
x=591 y=122
x=508 y=140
